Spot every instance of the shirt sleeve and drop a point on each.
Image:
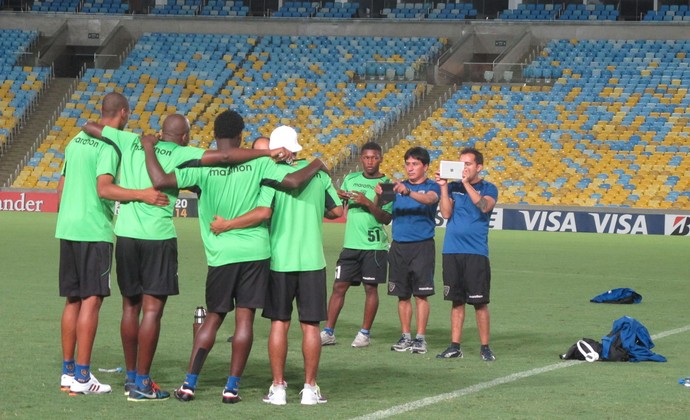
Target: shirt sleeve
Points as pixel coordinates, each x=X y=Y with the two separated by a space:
x=266 y=196
x=332 y=199
x=188 y=177
x=108 y=161
x=272 y=171
x=188 y=156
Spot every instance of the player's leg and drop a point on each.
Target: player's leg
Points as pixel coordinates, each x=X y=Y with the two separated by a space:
x=399 y=286
x=68 y=329
x=129 y=335
x=127 y=256
x=371 y=305
x=68 y=281
x=95 y=285
x=277 y=349
x=311 y=305
x=422 y=267
x=457 y=320
x=479 y=285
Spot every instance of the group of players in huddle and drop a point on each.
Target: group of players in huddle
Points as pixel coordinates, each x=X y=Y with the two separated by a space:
x=260 y=213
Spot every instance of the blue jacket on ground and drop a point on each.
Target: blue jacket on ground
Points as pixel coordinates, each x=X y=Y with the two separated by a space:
x=620 y=295
x=634 y=338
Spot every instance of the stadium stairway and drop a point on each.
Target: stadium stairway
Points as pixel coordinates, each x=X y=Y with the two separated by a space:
x=397 y=131
x=25 y=141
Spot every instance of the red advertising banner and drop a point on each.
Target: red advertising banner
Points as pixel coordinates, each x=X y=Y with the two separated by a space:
x=41 y=202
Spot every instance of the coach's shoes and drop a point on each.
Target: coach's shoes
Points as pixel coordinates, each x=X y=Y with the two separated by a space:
x=152 y=394
x=66 y=382
x=311 y=395
x=450 y=353
x=487 y=354
x=404 y=344
x=184 y=394
x=361 y=340
x=231 y=397
x=418 y=346
x=327 y=339
x=276 y=394
x=92 y=386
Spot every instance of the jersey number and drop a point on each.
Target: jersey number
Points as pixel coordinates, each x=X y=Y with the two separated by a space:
x=374 y=235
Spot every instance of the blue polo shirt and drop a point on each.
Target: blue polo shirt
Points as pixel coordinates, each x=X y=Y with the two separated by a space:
x=412 y=220
x=467 y=231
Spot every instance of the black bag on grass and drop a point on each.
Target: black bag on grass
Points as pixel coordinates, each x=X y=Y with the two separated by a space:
x=580 y=351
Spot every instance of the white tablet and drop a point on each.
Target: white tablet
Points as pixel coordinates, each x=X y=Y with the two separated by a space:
x=451 y=169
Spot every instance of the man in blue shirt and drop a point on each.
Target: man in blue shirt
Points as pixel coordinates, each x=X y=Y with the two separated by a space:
x=466 y=271
x=412 y=256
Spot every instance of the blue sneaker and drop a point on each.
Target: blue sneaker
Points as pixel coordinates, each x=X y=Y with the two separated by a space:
x=128 y=387
x=153 y=394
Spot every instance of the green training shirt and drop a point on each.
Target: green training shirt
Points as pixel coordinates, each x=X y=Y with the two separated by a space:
x=140 y=220
x=230 y=192
x=296 y=225
x=362 y=231
x=83 y=216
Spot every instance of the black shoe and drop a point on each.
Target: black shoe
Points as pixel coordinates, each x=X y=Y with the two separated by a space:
x=450 y=353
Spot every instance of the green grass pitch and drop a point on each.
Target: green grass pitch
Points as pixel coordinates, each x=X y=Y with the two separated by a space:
x=541 y=286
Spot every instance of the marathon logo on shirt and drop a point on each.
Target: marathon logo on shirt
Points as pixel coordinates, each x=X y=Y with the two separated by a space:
x=364 y=186
x=139 y=148
x=231 y=170
x=87 y=141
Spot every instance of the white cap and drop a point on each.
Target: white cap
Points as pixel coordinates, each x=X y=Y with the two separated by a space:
x=286 y=137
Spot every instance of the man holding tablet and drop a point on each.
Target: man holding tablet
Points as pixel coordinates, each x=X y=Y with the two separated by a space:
x=466 y=271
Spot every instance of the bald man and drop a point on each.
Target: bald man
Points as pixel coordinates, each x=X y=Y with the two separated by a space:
x=84 y=226
x=146 y=251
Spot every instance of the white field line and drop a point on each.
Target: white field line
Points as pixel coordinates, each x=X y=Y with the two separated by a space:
x=414 y=405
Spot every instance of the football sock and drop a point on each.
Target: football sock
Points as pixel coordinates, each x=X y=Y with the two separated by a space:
x=190 y=381
x=143 y=382
x=363 y=331
x=82 y=373
x=233 y=384
x=407 y=335
x=420 y=337
x=68 y=367
x=484 y=346
x=131 y=376
x=329 y=331
x=455 y=346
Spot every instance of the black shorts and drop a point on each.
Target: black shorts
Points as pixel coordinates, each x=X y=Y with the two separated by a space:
x=147 y=267
x=85 y=268
x=466 y=278
x=362 y=266
x=241 y=285
x=412 y=266
x=308 y=287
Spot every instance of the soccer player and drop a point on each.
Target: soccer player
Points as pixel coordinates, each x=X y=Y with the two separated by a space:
x=84 y=227
x=364 y=258
x=412 y=256
x=146 y=251
x=466 y=270
x=298 y=271
x=238 y=254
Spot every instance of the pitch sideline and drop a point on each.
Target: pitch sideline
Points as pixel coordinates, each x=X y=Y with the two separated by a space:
x=413 y=405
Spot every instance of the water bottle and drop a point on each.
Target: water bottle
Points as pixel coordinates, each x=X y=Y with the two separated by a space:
x=199 y=318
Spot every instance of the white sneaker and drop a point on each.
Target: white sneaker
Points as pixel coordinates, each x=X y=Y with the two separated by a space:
x=66 y=382
x=90 y=387
x=276 y=394
x=361 y=340
x=327 y=339
x=311 y=395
